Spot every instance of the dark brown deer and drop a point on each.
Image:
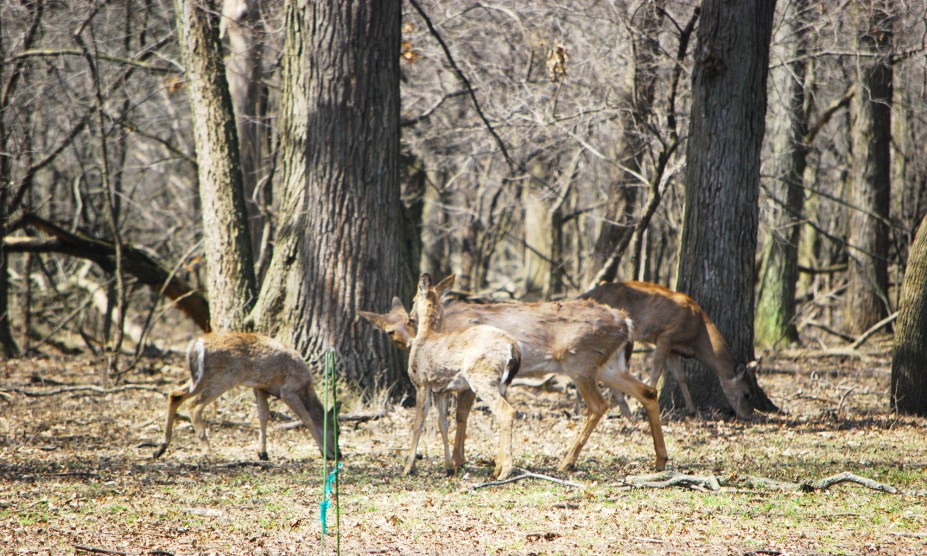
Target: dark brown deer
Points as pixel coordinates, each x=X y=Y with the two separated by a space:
x=678 y=327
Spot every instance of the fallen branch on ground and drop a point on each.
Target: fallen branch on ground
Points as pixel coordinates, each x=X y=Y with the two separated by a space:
x=346 y=418
x=846 y=477
x=666 y=479
x=527 y=475
x=94 y=389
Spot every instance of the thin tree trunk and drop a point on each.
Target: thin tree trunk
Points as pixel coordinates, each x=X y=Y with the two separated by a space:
x=241 y=24
x=909 y=357
x=225 y=225
x=867 y=289
x=622 y=202
x=716 y=266
x=775 y=311
x=339 y=247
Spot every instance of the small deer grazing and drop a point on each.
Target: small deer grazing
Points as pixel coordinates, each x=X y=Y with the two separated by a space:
x=219 y=362
x=480 y=360
x=677 y=326
x=584 y=340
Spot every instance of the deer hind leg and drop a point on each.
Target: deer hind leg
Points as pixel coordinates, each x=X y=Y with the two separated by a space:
x=596 y=407
x=674 y=364
x=486 y=387
x=422 y=404
x=174 y=400
x=617 y=379
x=622 y=358
x=465 y=401
x=263 y=411
x=441 y=407
x=202 y=400
x=303 y=401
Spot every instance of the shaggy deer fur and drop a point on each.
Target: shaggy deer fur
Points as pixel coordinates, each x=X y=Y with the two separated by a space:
x=480 y=360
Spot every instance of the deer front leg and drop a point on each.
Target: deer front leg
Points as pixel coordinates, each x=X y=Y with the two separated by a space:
x=674 y=364
x=661 y=356
x=465 y=401
x=441 y=407
x=422 y=403
x=596 y=406
x=263 y=411
x=486 y=386
x=174 y=400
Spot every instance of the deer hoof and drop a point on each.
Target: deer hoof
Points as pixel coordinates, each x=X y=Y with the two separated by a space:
x=262 y=456
x=159 y=452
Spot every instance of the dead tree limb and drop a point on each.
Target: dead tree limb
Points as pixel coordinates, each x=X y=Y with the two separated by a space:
x=527 y=475
x=136 y=262
x=846 y=477
x=94 y=389
x=668 y=479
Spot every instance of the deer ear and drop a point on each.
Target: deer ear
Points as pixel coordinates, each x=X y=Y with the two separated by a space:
x=424 y=283
x=397 y=304
x=375 y=319
x=445 y=285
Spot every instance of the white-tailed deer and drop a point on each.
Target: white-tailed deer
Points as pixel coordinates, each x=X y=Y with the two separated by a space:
x=219 y=362
x=677 y=326
x=583 y=339
x=480 y=359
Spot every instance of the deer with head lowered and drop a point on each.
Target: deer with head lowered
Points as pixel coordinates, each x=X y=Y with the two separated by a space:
x=678 y=327
x=584 y=340
x=480 y=360
x=219 y=362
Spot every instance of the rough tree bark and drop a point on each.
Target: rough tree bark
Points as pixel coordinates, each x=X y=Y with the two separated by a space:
x=242 y=25
x=775 y=311
x=225 y=225
x=870 y=173
x=722 y=180
x=339 y=245
x=909 y=358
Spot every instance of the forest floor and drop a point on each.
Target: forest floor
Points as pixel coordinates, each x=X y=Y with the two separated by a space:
x=76 y=474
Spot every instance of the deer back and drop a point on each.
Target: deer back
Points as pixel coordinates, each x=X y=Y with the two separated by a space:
x=552 y=333
x=246 y=359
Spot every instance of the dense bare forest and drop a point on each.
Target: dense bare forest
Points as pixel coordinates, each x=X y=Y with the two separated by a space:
x=533 y=149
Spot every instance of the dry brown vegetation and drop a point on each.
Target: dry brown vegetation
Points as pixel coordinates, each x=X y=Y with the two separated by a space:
x=72 y=474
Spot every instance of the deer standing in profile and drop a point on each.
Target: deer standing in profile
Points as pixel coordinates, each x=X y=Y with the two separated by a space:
x=584 y=340
x=219 y=362
x=480 y=359
x=677 y=326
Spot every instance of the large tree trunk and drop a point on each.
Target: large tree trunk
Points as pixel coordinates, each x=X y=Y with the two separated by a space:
x=722 y=179
x=225 y=226
x=339 y=246
x=909 y=359
x=870 y=111
x=775 y=311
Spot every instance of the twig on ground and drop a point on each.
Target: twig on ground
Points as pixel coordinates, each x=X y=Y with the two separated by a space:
x=527 y=475
x=96 y=550
x=346 y=418
x=94 y=389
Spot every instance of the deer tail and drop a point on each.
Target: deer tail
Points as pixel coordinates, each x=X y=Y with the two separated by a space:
x=196 y=359
x=512 y=365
